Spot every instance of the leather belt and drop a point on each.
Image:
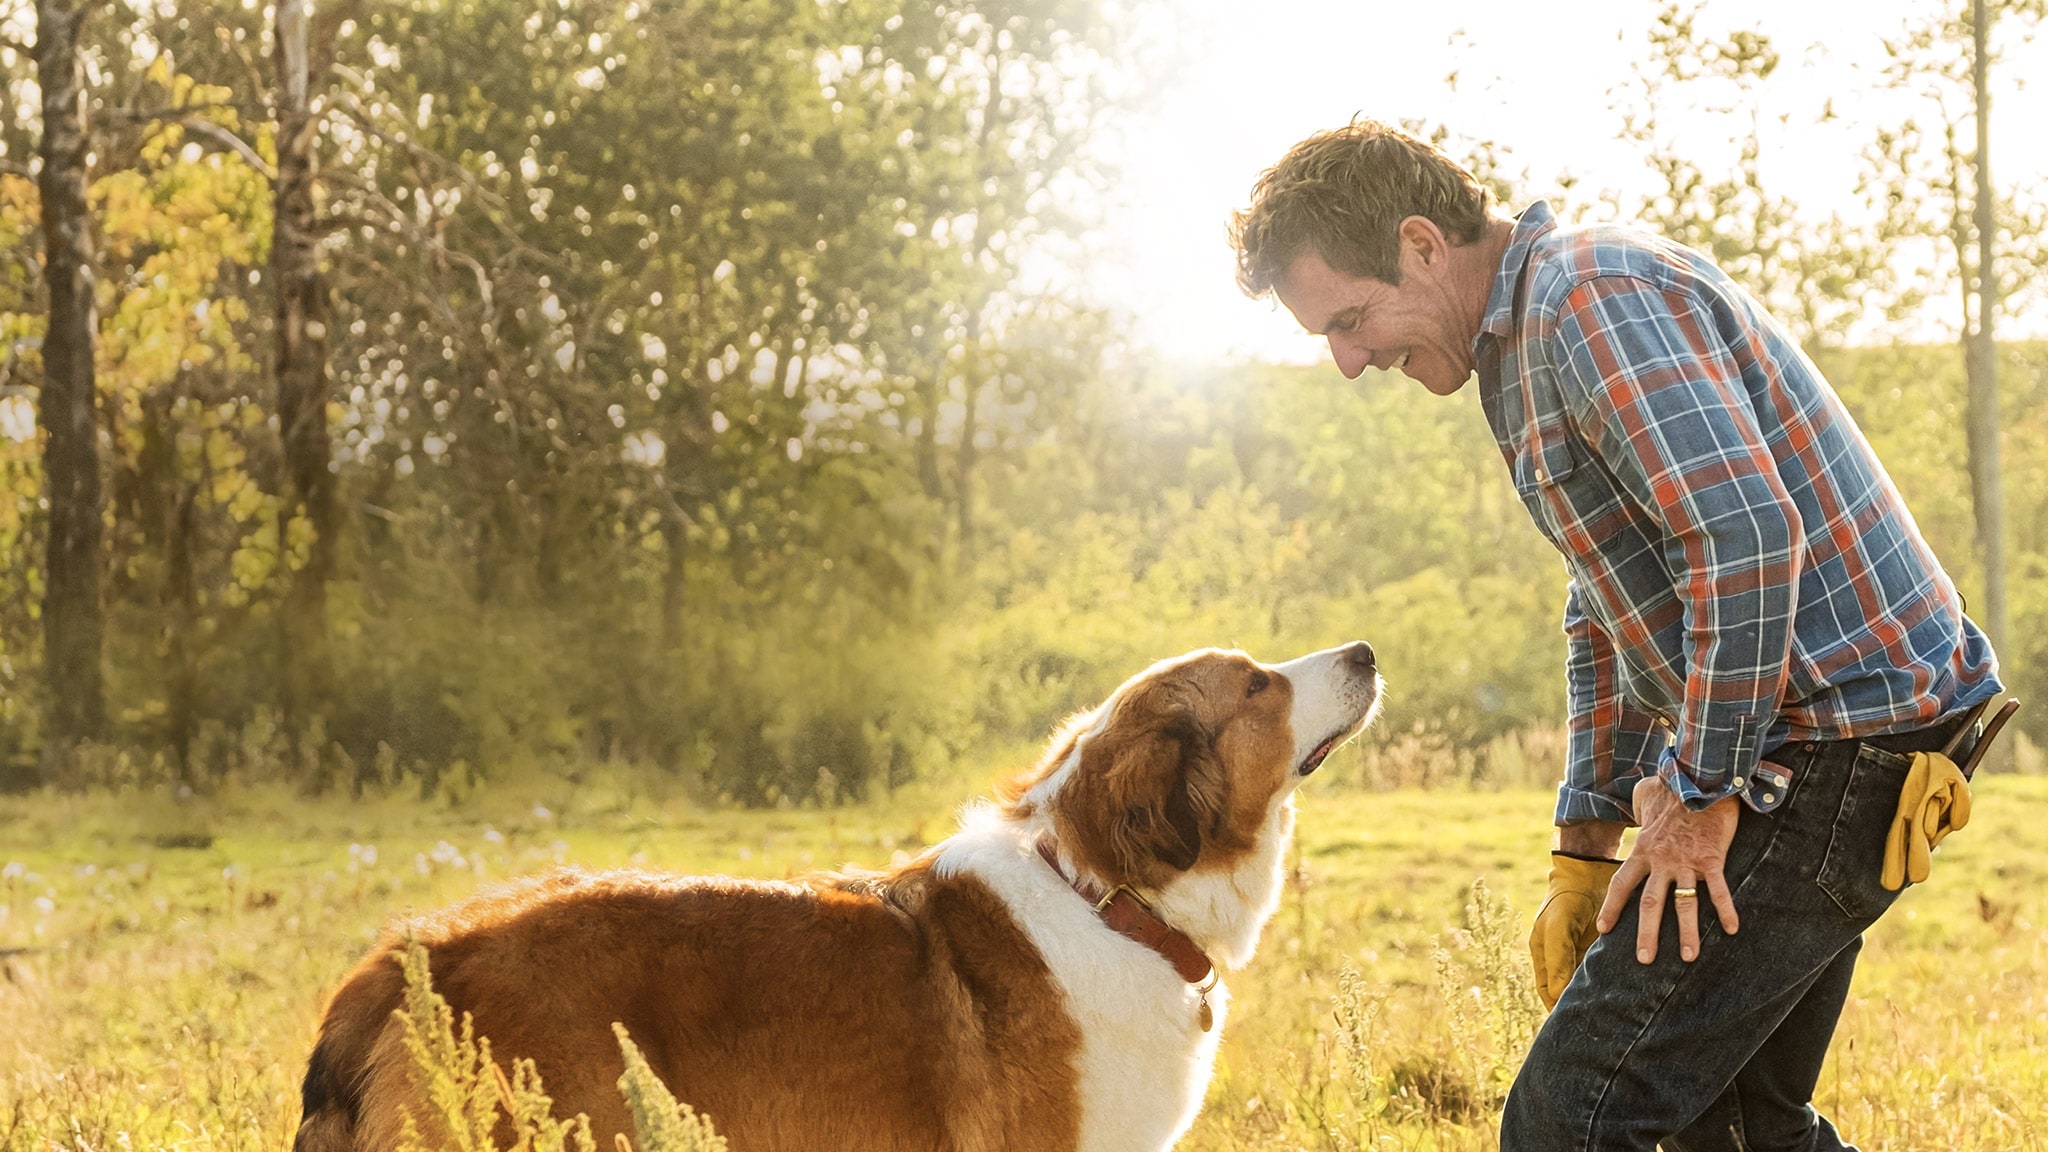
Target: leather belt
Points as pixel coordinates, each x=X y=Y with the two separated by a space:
x=1956 y=736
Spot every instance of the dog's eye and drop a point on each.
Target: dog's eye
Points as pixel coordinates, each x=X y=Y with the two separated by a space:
x=1257 y=684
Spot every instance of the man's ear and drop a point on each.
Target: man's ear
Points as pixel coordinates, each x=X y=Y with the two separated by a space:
x=1423 y=242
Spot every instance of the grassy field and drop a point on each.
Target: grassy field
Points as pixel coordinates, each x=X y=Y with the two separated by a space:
x=162 y=960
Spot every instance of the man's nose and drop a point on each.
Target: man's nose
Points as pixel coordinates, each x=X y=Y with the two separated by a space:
x=1351 y=359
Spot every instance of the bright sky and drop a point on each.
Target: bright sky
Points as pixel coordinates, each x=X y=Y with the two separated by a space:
x=1253 y=78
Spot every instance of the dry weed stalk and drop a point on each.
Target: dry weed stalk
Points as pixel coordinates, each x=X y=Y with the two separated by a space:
x=471 y=1105
x=663 y=1123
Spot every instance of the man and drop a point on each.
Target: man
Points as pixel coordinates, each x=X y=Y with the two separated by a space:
x=1758 y=635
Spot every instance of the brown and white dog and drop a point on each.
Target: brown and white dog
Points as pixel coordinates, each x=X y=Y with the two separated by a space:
x=973 y=999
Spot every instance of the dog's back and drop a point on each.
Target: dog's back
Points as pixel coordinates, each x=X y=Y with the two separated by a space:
x=913 y=1004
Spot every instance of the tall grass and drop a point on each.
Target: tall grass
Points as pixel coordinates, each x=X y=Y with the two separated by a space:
x=163 y=961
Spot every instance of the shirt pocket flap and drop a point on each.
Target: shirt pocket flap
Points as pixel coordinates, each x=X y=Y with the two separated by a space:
x=1545 y=460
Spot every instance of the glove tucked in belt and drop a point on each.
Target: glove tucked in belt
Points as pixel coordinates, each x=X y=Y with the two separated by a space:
x=1565 y=925
x=1935 y=801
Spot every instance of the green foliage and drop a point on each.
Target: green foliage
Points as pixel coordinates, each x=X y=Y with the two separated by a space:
x=662 y=1123
x=1823 y=275
x=689 y=411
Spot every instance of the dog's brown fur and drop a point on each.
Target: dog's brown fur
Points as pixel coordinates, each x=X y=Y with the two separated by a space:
x=1183 y=771
x=908 y=1001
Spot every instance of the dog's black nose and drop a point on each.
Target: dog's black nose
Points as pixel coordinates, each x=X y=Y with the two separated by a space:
x=1358 y=656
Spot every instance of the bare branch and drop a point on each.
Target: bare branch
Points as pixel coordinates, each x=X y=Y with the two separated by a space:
x=145 y=115
x=483 y=278
x=351 y=105
x=28 y=50
x=347 y=103
x=231 y=142
x=674 y=509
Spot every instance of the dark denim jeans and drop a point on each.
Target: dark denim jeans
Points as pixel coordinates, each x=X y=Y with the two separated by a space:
x=1722 y=1054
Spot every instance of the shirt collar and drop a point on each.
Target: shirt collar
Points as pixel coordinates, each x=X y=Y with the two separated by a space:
x=1535 y=220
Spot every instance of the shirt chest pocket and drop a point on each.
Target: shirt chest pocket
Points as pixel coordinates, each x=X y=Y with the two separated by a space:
x=1546 y=470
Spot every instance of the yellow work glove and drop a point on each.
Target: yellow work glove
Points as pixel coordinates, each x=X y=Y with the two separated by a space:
x=1934 y=803
x=1565 y=925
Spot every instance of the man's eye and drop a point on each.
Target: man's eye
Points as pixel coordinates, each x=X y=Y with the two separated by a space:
x=1258 y=684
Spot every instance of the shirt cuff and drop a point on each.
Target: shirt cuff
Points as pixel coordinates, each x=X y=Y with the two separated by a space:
x=1579 y=806
x=1694 y=797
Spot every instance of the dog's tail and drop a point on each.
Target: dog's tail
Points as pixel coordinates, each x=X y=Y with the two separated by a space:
x=344 y=1059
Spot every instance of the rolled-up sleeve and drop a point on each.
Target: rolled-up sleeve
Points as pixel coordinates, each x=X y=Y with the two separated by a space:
x=1663 y=403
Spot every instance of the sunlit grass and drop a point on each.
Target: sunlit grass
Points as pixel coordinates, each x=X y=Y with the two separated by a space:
x=165 y=959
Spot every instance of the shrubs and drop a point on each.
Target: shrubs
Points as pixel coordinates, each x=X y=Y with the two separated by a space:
x=1359 y=1099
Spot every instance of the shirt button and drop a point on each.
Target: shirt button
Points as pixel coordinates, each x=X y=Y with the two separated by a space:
x=1737 y=782
x=1542 y=477
x=1770 y=797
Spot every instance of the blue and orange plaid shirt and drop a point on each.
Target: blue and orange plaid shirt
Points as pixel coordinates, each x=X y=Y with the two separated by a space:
x=1743 y=573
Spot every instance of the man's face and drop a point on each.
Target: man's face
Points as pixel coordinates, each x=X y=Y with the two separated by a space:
x=1414 y=326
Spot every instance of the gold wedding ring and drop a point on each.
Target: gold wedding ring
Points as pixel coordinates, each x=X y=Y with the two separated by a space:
x=1685 y=893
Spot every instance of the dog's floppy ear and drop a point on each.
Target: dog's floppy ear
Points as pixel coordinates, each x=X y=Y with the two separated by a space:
x=1163 y=823
x=1144 y=791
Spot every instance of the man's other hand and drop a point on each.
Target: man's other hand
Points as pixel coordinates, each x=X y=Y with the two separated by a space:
x=1565 y=924
x=1676 y=851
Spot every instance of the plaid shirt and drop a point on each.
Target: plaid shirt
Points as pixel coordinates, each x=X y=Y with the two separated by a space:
x=1743 y=573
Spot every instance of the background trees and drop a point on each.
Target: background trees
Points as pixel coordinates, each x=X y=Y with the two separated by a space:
x=1982 y=247
x=676 y=383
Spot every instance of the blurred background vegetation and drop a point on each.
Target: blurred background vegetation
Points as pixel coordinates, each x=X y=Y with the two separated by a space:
x=670 y=383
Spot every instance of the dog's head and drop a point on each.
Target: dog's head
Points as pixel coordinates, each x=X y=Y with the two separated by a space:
x=1184 y=767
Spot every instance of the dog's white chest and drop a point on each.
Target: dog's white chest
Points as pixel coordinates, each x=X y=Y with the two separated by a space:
x=1145 y=1061
x=1144 y=1064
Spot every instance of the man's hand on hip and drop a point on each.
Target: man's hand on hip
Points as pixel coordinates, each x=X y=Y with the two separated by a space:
x=1677 y=852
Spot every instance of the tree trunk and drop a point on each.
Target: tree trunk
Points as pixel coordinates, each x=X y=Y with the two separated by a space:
x=674 y=539
x=180 y=599
x=926 y=450
x=165 y=514
x=301 y=335
x=969 y=453
x=71 y=465
x=1987 y=490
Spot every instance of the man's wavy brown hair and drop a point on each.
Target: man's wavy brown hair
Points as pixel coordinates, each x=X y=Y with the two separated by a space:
x=1342 y=195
